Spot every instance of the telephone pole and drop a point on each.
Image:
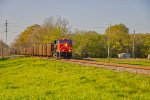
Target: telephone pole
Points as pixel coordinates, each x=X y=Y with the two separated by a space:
x=6 y=31
x=133 y=48
x=109 y=41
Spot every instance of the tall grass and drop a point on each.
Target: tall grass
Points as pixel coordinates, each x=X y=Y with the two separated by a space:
x=34 y=78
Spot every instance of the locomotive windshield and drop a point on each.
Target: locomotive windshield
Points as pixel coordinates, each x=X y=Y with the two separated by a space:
x=69 y=42
x=65 y=41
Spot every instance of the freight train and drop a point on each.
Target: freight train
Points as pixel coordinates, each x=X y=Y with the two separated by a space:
x=61 y=48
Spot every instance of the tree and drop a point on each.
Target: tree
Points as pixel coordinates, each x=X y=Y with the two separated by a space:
x=119 y=38
x=23 y=39
x=147 y=44
x=142 y=45
x=53 y=28
x=87 y=44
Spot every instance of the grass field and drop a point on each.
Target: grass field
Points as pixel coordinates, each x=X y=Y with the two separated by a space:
x=35 y=78
x=138 y=62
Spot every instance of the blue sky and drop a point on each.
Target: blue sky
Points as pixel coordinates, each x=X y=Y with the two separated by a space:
x=82 y=14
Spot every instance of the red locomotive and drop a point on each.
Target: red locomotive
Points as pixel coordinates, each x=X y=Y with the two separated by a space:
x=61 y=48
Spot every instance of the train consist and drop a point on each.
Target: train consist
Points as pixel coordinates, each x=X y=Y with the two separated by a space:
x=61 y=48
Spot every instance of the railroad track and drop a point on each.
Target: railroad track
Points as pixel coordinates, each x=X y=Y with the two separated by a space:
x=117 y=67
x=112 y=66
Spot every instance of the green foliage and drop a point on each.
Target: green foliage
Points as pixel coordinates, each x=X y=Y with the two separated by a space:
x=119 y=38
x=52 y=29
x=23 y=39
x=142 y=45
x=85 y=43
x=33 y=78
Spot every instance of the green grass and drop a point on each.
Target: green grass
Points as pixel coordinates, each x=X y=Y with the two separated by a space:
x=34 y=78
x=138 y=62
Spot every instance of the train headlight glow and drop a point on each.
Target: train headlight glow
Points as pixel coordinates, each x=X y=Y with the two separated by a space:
x=66 y=44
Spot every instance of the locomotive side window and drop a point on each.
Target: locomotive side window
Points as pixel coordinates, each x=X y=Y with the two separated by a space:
x=65 y=41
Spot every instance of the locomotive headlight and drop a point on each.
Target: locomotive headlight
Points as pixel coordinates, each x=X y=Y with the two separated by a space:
x=66 y=44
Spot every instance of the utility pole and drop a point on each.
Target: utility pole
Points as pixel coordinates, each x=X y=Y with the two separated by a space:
x=6 y=31
x=109 y=41
x=6 y=51
x=133 y=48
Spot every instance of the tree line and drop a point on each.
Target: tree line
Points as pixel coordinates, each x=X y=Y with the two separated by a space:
x=86 y=43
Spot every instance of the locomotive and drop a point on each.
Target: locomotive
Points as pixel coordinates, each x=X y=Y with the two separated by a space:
x=61 y=48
